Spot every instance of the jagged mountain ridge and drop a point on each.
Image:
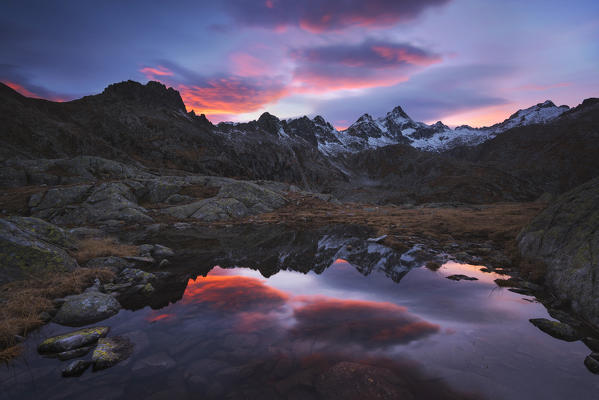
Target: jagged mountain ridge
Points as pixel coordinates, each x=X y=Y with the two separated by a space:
x=148 y=125
x=396 y=127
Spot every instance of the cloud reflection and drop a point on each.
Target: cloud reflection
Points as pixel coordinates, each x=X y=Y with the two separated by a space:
x=368 y=323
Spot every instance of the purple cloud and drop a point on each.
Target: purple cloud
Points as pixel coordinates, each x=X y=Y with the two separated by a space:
x=369 y=64
x=318 y=16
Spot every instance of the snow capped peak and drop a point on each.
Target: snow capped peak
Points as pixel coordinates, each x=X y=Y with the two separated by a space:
x=396 y=127
x=539 y=113
x=546 y=103
x=398 y=112
x=365 y=118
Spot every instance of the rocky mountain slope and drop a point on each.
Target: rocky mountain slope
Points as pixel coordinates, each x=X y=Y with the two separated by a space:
x=565 y=237
x=540 y=149
x=148 y=125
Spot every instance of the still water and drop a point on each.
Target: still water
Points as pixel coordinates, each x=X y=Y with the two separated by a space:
x=236 y=334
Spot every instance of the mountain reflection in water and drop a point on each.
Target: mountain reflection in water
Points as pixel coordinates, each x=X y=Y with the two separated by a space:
x=388 y=328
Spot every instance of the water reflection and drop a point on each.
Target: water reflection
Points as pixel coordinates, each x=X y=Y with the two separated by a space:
x=367 y=323
x=323 y=333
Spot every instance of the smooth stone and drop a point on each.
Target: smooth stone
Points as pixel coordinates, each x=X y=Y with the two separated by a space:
x=86 y=308
x=592 y=343
x=75 y=368
x=592 y=362
x=68 y=355
x=558 y=330
x=73 y=340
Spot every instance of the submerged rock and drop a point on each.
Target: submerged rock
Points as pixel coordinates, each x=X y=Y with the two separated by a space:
x=156 y=363
x=76 y=368
x=111 y=351
x=556 y=329
x=460 y=277
x=86 y=308
x=73 y=340
x=349 y=380
x=592 y=362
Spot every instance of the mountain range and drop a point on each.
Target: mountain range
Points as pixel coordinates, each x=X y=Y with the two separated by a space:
x=388 y=159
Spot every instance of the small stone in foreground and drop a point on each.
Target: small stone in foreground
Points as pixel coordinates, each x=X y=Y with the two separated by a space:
x=111 y=351
x=73 y=340
x=68 y=355
x=86 y=308
x=76 y=368
x=592 y=362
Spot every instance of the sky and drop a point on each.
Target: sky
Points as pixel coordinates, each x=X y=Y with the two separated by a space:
x=460 y=61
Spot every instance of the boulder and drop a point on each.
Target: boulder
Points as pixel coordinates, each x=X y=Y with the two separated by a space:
x=558 y=330
x=86 y=308
x=592 y=362
x=73 y=340
x=30 y=246
x=111 y=351
x=565 y=238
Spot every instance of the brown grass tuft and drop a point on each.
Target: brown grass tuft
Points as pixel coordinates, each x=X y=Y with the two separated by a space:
x=102 y=247
x=9 y=353
x=23 y=301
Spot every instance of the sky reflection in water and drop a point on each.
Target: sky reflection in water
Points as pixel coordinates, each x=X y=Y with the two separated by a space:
x=472 y=335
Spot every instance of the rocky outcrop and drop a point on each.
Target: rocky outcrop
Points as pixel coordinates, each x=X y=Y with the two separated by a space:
x=234 y=200
x=566 y=238
x=30 y=246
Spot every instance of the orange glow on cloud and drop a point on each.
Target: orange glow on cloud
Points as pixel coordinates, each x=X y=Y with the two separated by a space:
x=228 y=96
x=27 y=93
x=151 y=73
x=18 y=88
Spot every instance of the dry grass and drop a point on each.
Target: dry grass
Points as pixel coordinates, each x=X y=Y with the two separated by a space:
x=23 y=301
x=102 y=247
x=497 y=223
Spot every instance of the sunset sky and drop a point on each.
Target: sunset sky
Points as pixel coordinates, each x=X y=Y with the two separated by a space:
x=460 y=61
